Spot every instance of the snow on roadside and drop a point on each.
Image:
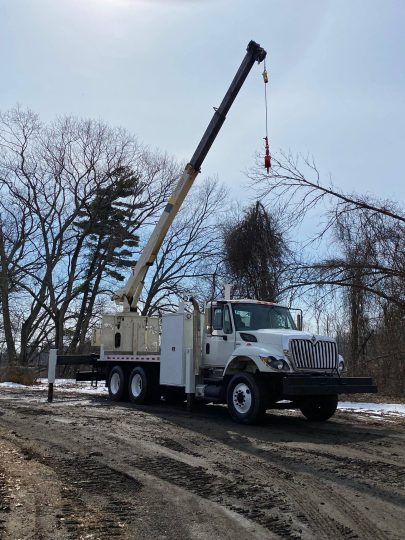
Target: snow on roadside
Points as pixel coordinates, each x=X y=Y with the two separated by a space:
x=62 y=385
x=12 y=385
x=80 y=388
x=375 y=409
x=70 y=385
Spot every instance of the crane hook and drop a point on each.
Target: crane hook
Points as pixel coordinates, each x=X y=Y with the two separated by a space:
x=267 y=156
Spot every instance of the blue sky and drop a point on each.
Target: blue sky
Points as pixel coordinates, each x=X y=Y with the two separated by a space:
x=157 y=67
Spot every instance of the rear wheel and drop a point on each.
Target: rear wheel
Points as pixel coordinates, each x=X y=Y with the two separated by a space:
x=143 y=386
x=117 y=386
x=246 y=398
x=319 y=408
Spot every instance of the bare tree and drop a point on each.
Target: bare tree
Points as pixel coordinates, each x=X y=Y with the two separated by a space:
x=18 y=229
x=73 y=195
x=294 y=182
x=360 y=253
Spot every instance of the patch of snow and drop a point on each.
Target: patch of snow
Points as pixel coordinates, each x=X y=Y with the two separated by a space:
x=61 y=385
x=377 y=409
x=82 y=389
x=12 y=385
x=70 y=385
x=58 y=381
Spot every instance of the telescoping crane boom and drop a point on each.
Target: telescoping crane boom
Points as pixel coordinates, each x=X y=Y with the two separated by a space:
x=130 y=293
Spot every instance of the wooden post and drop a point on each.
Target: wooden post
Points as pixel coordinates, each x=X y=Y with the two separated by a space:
x=53 y=354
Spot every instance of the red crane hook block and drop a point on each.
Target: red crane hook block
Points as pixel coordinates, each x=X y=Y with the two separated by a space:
x=267 y=156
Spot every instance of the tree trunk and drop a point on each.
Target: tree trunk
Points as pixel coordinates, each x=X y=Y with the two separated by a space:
x=59 y=328
x=4 y=288
x=89 y=311
x=356 y=319
x=7 y=325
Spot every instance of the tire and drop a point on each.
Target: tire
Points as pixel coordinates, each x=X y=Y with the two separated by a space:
x=319 y=408
x=117 y=384
x=143 y=386
x=246 y=399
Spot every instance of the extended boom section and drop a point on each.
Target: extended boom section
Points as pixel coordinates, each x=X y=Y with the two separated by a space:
x=129 y=295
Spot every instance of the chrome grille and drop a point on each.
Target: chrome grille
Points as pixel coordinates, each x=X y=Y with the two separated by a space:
x=318 y=355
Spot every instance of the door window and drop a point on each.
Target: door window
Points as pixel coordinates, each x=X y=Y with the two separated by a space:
x=222 y=319
x=227 y=321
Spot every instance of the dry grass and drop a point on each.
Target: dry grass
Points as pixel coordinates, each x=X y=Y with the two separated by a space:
x=371 y=398
x=18 y=374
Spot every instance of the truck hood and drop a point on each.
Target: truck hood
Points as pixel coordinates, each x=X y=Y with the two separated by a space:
x=278 y=340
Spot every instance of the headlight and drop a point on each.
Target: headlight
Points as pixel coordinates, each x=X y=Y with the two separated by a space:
x=341 y=364
x=275 y=363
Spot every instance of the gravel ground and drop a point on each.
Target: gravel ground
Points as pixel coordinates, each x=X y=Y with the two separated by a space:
x=84 y=468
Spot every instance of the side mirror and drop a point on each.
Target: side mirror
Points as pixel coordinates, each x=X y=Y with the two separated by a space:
x=299 y=321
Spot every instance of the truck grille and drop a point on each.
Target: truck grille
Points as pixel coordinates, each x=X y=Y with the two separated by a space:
x=307 y=355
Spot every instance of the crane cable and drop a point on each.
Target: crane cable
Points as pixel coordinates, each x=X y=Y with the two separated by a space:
x=267 y=157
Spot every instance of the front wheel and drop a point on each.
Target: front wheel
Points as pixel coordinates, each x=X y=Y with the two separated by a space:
x=246 y=398
x=319 y=408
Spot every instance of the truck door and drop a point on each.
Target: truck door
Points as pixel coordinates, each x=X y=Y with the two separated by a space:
x=220 y=337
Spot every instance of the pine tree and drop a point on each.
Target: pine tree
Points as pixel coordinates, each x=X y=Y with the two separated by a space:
x=110 y=223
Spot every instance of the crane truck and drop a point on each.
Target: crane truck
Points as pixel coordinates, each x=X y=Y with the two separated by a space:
x=248 y=354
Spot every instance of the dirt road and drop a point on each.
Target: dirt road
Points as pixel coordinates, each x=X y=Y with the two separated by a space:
x=83 y=468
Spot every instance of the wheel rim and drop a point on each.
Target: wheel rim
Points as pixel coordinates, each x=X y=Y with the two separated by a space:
x=115 y=383
x=242 y=398
x=136 y=385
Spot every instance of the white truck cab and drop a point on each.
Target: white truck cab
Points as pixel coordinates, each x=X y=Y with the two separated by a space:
x=267 y=335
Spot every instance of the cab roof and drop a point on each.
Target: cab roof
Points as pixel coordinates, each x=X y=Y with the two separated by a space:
x=247 y=301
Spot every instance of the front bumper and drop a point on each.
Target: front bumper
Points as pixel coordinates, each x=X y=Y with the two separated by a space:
x=301 y=385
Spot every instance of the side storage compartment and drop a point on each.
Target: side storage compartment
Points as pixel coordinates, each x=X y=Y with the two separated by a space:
x=177 y=337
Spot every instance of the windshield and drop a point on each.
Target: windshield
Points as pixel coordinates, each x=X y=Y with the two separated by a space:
x=261 y=316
